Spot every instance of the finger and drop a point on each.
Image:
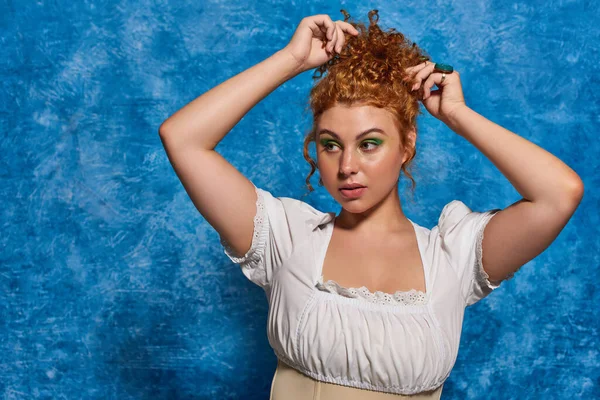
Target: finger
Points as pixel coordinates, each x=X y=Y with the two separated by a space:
x=422 y=74
x=325 y=22
x=333 y=41
x=346 y=27
x=340 y=39
x=423 y=70
x=415 y=67
x=319 y=30
x=428 y=84
x=412 y=71
x=434 y=79
x=434 y=93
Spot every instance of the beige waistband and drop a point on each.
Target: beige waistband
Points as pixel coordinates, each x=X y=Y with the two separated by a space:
x=290 y=384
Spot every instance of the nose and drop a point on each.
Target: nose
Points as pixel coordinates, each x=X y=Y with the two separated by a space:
x=348 y=163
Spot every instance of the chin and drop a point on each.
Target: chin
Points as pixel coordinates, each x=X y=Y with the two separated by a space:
x=353 y=205
x=354 y=208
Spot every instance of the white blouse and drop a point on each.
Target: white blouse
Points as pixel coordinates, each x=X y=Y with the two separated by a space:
x=403 y=343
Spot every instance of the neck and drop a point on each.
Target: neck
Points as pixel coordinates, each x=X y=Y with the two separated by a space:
x=384 y=217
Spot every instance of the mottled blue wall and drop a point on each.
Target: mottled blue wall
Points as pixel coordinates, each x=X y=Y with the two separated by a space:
x=114 y=287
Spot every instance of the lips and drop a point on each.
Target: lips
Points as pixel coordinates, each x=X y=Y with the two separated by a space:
x=352 y=186
x=353 y=193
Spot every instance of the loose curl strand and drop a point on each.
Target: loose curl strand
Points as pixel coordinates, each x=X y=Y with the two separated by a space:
x=369 y=70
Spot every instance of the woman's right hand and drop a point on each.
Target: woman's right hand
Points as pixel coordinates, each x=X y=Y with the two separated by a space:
x=307 y=45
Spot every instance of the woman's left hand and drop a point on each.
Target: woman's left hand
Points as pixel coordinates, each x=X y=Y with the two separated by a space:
x=443 y=102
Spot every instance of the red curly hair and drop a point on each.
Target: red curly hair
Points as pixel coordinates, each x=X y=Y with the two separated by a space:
x=369 y=71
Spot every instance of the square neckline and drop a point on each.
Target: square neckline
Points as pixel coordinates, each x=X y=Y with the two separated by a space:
x=425 y=267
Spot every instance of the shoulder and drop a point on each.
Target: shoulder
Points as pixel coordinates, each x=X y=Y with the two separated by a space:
x=452 y=212
x=295 y=211
x=458 y=219
x=453 y=218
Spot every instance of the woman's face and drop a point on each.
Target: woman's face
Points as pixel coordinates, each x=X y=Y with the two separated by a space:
x=346 y=155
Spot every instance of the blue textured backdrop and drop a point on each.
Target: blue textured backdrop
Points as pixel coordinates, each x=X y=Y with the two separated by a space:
x=114 y=287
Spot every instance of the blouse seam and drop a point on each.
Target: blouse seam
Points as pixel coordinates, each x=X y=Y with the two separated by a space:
x=454 y=270
x=256 y=254
x=306 y=240
x=482 y=225
x=261 y=225
x=363 y=385
x=288 y=257
x=439 y=337
x=307 y=306
x=441 y=235
x=475 y=269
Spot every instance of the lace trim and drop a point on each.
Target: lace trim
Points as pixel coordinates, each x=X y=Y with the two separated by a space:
x=411 y=297
x=252 y=256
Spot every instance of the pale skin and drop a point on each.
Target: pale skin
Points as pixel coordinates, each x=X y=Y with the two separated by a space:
x=373 y=160
x=372 y=229
x=550 y=190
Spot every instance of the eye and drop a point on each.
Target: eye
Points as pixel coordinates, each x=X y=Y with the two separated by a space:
x=326 y=144
x=373 y=142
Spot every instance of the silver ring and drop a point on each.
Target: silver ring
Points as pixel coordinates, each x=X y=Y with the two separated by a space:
x=443 y=77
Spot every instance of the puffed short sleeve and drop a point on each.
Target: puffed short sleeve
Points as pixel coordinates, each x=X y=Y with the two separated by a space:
x=461 y=232
x=275 y=233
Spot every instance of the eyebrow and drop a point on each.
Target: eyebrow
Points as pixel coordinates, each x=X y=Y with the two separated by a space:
x=335 y=135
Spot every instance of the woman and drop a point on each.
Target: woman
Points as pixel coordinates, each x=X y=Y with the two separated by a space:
x=366 y=304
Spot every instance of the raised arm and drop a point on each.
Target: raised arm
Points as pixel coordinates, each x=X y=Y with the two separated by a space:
x=226 y=198
x=551 y=190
